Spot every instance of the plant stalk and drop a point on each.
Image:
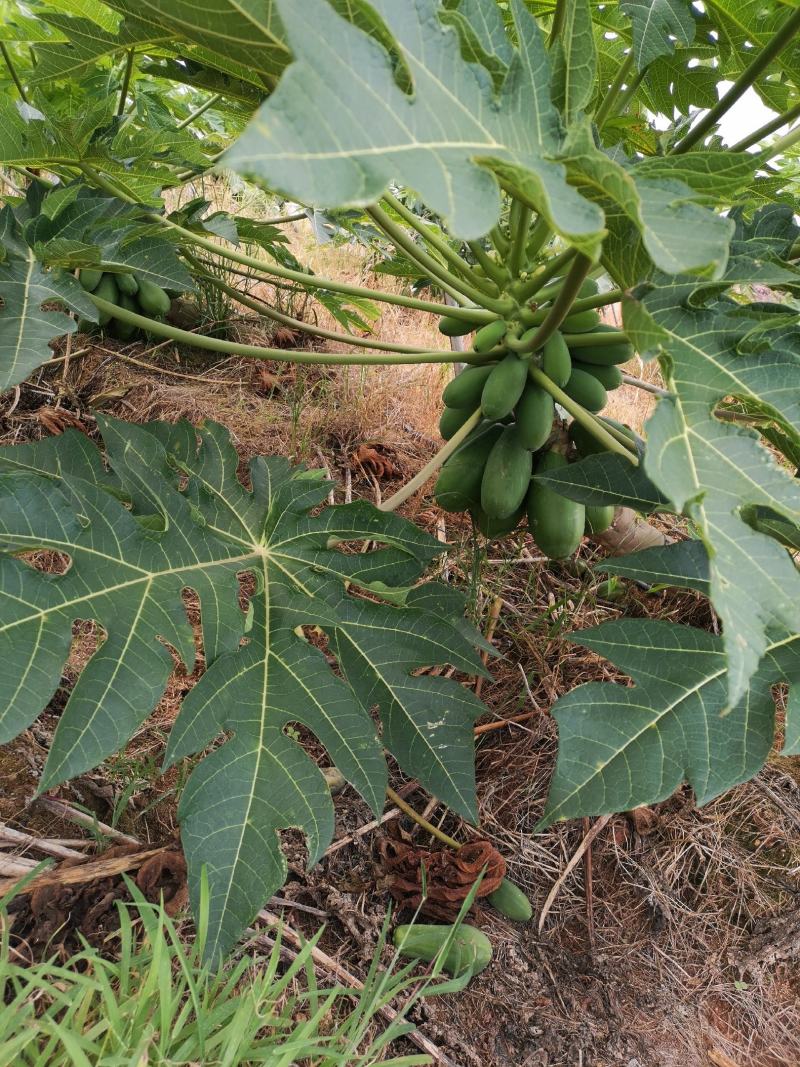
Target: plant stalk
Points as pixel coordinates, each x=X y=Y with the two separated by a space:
x=529 y=288
x=519 y=224
x=434 y=831
x=198 y=112
x=647 y=387
x=609 y=100
x=769 y=127
x=433 y=465
x=492 y=270
x=581 y=415
x=126 y=81
x=562 y=304
x=777 y=148
x=749 y=75
x=12 y=70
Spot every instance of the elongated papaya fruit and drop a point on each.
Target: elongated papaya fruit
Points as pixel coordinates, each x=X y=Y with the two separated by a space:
x=490 y=335
x=581 y=322
x=90 y=279
x=506 y=475
x=450 y=326
x=504 y=387
x=106 y=290
x=598 y=518
x=534 y=414
x=470 y=949
x=556 y=523
x=601 y=352
x=492 y=528
x=587 y=444
x=556 y=360
x=458 y=487
x=124 y=331
x=586 y=390
x=152 y=298
x=609 y=377
x=510 y=901
x=465 y=390
x=126 y=283
x=452 y=419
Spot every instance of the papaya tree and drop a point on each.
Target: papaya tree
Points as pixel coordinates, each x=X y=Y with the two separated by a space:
x=523 y=165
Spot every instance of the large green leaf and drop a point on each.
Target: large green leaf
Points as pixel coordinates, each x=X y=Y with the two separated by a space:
x=682 y=563
x=657 y=25
x=179 y=519
x=717 y=471
x=603 y=479
x=574 y=60
x=339 y=129
x=86 y=45
x=622 y=747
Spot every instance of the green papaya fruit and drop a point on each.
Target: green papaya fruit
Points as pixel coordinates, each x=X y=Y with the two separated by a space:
x=452 y=419
x=556 y=524
x=587 y=444
x=609 y=377
x=598 y=518
x=470 y=950
x=107 y=290
x=504 y=387
x=534 y=414
x=602 y=353
x=458 y=487
x=126 y=283
x=510 y=901
x=490 y=335
x=494 y=528
x=586 y=390
x=465 y=390
x=86 y=326
x=581 y=321
x=556 y=361
x=506 y=475
x=451 y=326
x=125 y=331
x=90 y=279
x=153 y=301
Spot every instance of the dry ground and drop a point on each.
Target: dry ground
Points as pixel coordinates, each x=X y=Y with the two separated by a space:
x=674 y=942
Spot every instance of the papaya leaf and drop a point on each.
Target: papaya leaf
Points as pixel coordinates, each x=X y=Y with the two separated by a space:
x=657 y=25
x=575 y=60
x=172 y=516
x=683 y=564
x=715 y=471
x=622 y=747
x=606 y=478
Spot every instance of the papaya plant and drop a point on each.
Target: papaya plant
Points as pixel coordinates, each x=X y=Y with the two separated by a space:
x=523 y=165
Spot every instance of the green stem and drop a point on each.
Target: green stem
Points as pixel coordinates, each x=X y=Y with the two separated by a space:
x=126 y=81
x=562 y=304
x=199 y=111
x=311 y=281
x=581 y=415
x=280 y=355
x=420 y=820
x=264 y=309
x=614 y=90
x=647 y=387
x=769 y=127
x=13 y=72
x=529 y=288
x=626 y=94
x=558 y=22
x=458 y=288
x=492 y=270
x=427 y=234
x=296 y=216
x=540 y=233
x=749 y=75
x=519 y=224
x=587 y=340
x=780 y=146
x=432 y=466
x=499 y=240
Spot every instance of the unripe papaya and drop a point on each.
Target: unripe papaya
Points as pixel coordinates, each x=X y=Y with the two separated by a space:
x=534 y=413
x=609 y=377
x=125 y=331
x=586 y=390
x=556 y=524
x=90 y=279
x=581 y=321
x=465 y=390
x=506 y=475
x=556 y=360
x=106 y=290
x=490 y=335
x=504 y=387
x=152 y=298
x=452 y=419
x=469 y=950
x=451 y=326
x=492 y=528
x=603 y=354
x=587 y=444
x=458 y=487
x=126 y=283
x=598 y=518
x=510 y=901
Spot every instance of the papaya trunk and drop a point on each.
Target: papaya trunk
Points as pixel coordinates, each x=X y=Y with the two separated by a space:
x=629 y=533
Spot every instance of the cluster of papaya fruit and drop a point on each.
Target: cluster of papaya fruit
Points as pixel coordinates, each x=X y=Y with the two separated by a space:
x=130 y=291
x=490 y=475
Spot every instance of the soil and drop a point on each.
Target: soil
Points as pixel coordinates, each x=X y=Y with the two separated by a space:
x=674 y=943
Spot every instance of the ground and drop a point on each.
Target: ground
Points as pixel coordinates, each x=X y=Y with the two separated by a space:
x=675 y=940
